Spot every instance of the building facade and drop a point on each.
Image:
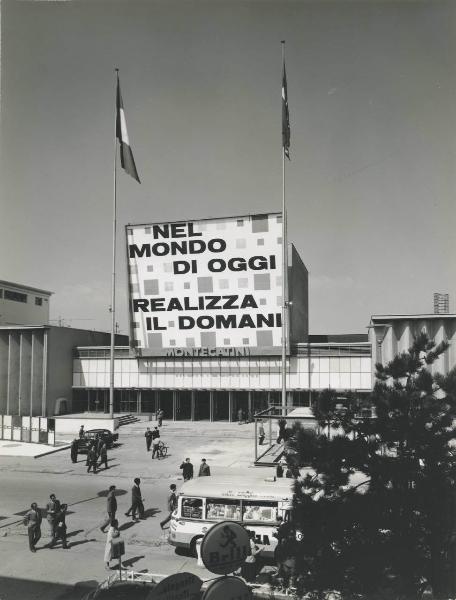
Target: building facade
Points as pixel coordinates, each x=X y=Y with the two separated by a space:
x=23 y=305
x=218 y=387
x=36 y=368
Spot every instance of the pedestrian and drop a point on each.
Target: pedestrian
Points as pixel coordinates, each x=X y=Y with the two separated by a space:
x=136 y=501
x=103 y=457
x=155 y=442
x=240 y=415
x=52 y=508
x=33 y=521
x=171 y=504
x=92 y=460
x=261 y=434
x=187 y=469
x=81 y=432
x=111 y=508
x=60 y=528
x=204 y=470
x=113 y=532
x=249 y=566
x=148 y=436
x=74 y=450
x=279 y=470
x=160 y=416
x=90 y=446
x=99 y=445
x=282 y=433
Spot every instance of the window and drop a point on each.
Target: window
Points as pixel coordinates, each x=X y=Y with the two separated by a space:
x=1 y=293
x=38 y=301
x=16 y=296
x=252 y=510
x=219 y=510
x=192 y=508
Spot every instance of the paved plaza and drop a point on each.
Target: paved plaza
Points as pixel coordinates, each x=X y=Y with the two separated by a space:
x=68 y=574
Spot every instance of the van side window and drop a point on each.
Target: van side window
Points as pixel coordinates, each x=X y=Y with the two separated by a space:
x=254 y=510
x=219 y=509
x=192 y=508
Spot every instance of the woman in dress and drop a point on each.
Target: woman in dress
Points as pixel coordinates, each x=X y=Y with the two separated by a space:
x=113 y=532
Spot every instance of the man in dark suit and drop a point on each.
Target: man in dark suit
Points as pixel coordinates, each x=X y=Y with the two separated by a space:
x=136 y=501
x=33 y=521
x=60 y=528
x=111 y=508
x=148 y=436
x=92 y=459
x=74 y=450
x=187 y=469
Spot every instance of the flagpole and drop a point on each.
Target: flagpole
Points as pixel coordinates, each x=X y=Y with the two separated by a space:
x=113 y=278
x=284 y=275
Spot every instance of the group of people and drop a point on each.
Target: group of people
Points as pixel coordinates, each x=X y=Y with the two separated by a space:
x=187 y=469
x=153 y=439
x=55 y=516
x=96 y=451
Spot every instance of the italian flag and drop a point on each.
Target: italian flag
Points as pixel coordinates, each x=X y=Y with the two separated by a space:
x=126 y=155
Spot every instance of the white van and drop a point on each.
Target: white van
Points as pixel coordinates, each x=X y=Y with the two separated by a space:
x=254 y=502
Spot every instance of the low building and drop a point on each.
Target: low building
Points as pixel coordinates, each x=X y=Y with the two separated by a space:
x=209 y=387
x=393 y=334
x=23 y=305
x=36 y=367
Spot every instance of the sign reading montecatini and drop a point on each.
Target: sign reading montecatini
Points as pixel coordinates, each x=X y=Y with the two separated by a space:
x=212 y=283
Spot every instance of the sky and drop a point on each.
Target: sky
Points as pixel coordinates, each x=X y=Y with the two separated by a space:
x=371 y=182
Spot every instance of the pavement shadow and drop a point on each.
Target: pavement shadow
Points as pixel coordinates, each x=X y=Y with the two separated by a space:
x=127 y=525
x=73 y=533
x=131 y=561
x=151 y=512
x=104 y=493
x=78 y=543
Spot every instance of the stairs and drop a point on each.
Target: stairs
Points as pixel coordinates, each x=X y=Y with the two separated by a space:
x=127 y=419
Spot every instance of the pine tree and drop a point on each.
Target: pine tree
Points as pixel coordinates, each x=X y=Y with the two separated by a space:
x=377 y=511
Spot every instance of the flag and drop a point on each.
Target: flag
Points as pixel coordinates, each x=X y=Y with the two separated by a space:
x=126 y=155
x=285 y=115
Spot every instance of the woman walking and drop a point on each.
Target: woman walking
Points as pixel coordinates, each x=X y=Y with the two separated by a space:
x=113 y=532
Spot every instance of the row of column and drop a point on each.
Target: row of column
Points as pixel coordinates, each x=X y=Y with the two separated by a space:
x=23 y=372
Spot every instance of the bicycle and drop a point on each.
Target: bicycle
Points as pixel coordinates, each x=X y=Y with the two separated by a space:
x=162 y=450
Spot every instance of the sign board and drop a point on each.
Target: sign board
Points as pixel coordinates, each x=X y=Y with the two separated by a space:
x=225 y=547
x=228 y=588
x=179 y=586
x=209 y=287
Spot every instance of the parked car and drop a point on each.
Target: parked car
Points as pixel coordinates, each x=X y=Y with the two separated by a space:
x=108 y=437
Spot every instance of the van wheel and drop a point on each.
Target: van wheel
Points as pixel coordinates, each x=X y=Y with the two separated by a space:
x=193 y=546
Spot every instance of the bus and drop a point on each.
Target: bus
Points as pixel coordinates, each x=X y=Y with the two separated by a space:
x=255 y=503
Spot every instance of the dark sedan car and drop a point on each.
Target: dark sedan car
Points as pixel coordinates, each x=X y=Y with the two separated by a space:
x=107 y=436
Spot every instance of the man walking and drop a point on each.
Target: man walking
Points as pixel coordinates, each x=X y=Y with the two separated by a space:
x=52 y=508
x=187 y=469
x=160 y=416
x=136 y=501
x=148 y=436
x=204 y=470
x=33 y=521
x=155 y=442
x=92 y=460
x=74 y=450
x=111 y=508
x=60 y=528
x=171 y=504
x=103 y=457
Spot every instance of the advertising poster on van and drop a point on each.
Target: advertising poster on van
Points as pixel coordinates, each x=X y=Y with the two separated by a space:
x=206 y=288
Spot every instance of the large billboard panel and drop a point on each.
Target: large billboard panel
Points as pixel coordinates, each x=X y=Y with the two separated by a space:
x=206 y=287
